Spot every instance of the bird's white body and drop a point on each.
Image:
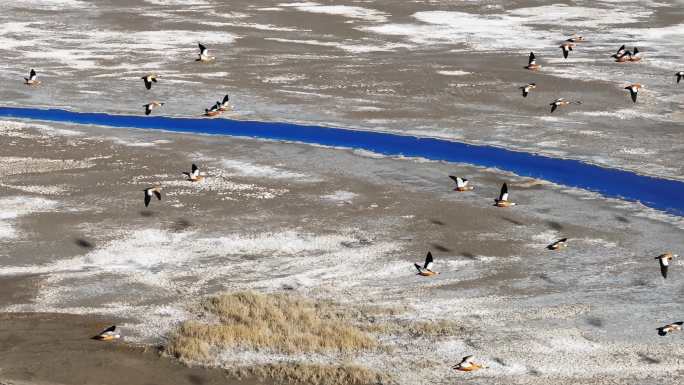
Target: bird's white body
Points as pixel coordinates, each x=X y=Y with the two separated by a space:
x=194 y=175
x=32 y=79
x=566 y=47
x=502 y=200
x=426 y=269
x=203 y=55
x=526 y=89
x=634 y=90
x=149 y=79
x=150 y=192
x=468 y=364
x=532 y=63
x=151 y=106
x=108 y=334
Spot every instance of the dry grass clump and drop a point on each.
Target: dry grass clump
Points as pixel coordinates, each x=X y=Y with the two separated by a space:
x=312 y=374
x=439 y=328
x=429 y=329
x=274 y=322
x=185 y=344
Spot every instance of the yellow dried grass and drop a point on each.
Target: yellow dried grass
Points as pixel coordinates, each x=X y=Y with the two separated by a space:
x=275 y=322
x=312 y=374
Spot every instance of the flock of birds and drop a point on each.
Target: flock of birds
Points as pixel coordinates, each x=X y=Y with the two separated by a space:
x=216 y=109
x=468 y=363
x=621 y=56
x=149 y=79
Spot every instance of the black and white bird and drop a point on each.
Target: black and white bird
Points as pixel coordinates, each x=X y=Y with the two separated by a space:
x=224 y=104
x=214 y=110
x=194 y=174
x=152 y=191
x=628 y=56
x=634 y=90
x=664 y=260
x=149 y=79
x=679 y=76
x=426 y=269
x=461 y=183
x=673 y=327
x=503 y=201
x=151 y=106
x=108 y=334
x=566 y=47
x=559 y=244
x=532 y=63
x=31 y=80
x=576 y=39
x=204 y=54
x=561 y=102
x=468 y=364
x=620 y=52
x=527 y=88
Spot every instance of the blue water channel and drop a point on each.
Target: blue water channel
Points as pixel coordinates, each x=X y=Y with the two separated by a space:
x=658 y=193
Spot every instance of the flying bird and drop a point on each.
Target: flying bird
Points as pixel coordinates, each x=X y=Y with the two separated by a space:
x=149 y=79
x=151 y=106
x=149 y=192
x=560 y=102
x=664 y=260
x=461 y=183
x=426 y=269
x=566 y=47
x=673 y=327
x=634 y=90
x=224 y=105
x=576 y=39
x=108 y=334
x=620 y=52
x=559 y=244
x=526 y=89
x=31 y=80
x=468 y=364
x=194 y=174
x=503 y=201
x=628 y=56
x=204 y=54
x=532 y=63
x=679 y=76
x=214 y=110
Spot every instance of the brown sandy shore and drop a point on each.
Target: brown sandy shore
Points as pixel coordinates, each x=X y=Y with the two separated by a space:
x=324 y=224
x=42 y=348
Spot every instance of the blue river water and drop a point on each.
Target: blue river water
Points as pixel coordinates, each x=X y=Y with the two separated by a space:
x=659 y=193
